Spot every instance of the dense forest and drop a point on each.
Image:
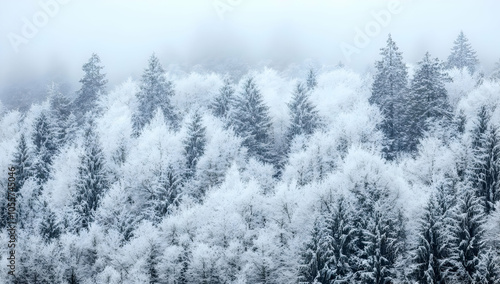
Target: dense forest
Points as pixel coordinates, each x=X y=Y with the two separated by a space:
x=322 y=175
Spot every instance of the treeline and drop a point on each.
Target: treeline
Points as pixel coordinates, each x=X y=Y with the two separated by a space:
x=334 y=177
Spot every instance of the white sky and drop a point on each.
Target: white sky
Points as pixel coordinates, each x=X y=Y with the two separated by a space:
x=126 y=32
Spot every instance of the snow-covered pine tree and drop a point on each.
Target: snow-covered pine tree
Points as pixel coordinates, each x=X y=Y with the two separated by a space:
x=45 y=142
x=60 y=111
x=92 y=181
x=430 y=255
x=194 y=144
x=304 y=116
x=462 y=55
x=155 y=92
x=312 y=260
x=22 y=162
x=93 y=84
x=49 y=227
x=467 y=239
x=312 y=82
x=251 y=121
x=164 y=194
x=340 y=251
x=388 y=92
x=223 y=102
x=485 y=172
x=428 y=100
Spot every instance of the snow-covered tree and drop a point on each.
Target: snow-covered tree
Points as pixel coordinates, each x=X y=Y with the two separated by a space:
x=495 y=75
x=467 y=239
x=304 y=116
x=251 y=121
x=92 y=181
x=430 y=254
x=195 y=143
x=484 y=174
x=224 y=101
x=155 y=92
x=312 y=82
x=462 y=55
x=389 y=91
x=45 y=143
x=427 y=102
x=93 y=85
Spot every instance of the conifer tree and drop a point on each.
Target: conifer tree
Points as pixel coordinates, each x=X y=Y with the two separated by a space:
x=467 y=239
x=484 y=174
x=312 y=261
x=462 y=55
x=92 y=179
x=496 y=72
x=195 y=144
x=311 y=80
x=388 y=93
x=223 y=102
x=251 y=121
x=155 y=92
x=428 y=100
x=22 y=162
x=60 y=112
x=304 y=116
x=430 y=255
x=44 y=140
x=93 y=84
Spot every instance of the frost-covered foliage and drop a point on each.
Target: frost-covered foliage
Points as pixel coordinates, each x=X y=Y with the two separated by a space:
x=271 y=177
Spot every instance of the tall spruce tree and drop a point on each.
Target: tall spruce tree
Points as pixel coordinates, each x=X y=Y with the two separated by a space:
x=251 y=121
x=45 y=142
x=92 y=181
x=462 y=55
x=388 y=92
x=428 y=100
x=484 y=174
x=155 y=92
x=495 y=75
x=223 y=102
x=467 y=239
x=60 y=112
x=304 y=116
x=195 y=144
x=23 y=162
x=312 y=82
x=93 y=84
x=429 y=257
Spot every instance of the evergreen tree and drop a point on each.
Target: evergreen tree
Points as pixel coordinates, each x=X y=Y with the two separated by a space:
x=155 y=92
x=462 y=55
x=313 y=262
x=431 y=252
x=485 y=173
x=93 y=84
x=490 y=268
x=92 y=179
x=341 y=251
x=164 y=194
x=45 y=142
x=428 y=100
x=195 y=144
x=251 y=121
x=223 y=102
x=60 y=112
x=49 y=228
x=22 y=162
x=388 y=93
x=304 y=116
x=311 y=80
x=467 y=239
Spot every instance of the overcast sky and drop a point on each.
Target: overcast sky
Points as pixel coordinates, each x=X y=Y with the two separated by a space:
x=37 y=41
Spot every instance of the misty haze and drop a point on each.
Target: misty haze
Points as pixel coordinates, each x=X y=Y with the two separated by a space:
x=249 y=141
